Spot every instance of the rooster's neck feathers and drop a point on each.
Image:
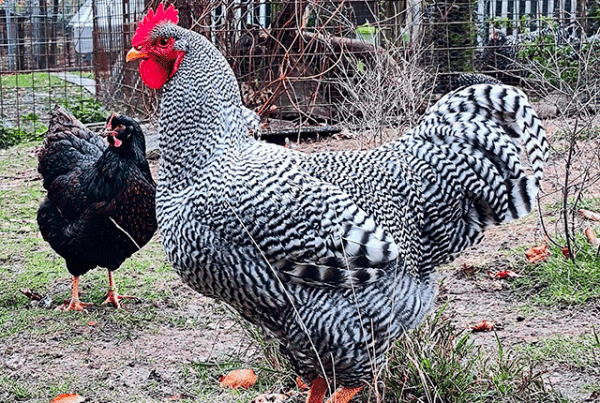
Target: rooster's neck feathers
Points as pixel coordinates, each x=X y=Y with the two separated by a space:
x=201 y=115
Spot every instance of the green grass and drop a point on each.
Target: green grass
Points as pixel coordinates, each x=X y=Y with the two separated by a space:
x=84 y=74
x=558 y=280
x=438 y=363
x=586 y=203
x=31 y=80
x=582 y=352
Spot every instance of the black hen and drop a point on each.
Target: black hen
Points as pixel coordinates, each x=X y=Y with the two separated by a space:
x=100 y=207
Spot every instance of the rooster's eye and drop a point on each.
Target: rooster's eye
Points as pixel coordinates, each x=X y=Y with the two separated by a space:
x=163 y=41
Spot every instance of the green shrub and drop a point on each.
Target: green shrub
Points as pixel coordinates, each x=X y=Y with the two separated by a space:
x=87 y=110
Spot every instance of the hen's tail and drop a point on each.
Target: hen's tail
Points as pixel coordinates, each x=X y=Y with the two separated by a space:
x=68 y=144
x=470 y=144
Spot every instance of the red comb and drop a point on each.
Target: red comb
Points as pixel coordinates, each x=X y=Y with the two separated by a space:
x=152 y=19
x=109 y=124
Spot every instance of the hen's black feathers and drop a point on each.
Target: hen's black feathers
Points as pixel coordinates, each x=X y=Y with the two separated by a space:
x=100 y=207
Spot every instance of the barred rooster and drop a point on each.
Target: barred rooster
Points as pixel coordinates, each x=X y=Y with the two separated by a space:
x=332 y=253
x=100 y=208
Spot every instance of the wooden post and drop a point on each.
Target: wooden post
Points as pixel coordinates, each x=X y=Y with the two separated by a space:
x=39 y=10
x=98 y=54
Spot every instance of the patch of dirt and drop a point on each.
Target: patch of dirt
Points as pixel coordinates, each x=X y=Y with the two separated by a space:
x=127 y=360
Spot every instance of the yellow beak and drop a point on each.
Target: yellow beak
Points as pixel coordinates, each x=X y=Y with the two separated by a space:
x=135 y=54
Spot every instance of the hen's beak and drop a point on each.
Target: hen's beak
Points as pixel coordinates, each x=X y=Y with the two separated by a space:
x=111 y=137
x=135 y=54
x=107 y=133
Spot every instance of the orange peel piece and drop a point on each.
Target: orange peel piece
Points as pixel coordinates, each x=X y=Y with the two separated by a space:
x=537 y=253
x=483 y=326
x=68 y=398
x=590 y=215
x=591 y=236
x=240 y=378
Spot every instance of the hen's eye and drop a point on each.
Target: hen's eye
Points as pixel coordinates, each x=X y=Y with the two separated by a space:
x=163 y=41
x=120 y=128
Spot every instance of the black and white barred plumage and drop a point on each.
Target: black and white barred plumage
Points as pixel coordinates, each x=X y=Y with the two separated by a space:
x=332 y=253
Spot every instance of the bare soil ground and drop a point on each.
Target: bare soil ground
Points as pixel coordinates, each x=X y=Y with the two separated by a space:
x=172 y=344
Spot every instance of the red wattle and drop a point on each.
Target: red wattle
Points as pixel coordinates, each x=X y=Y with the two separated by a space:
x=153 y=74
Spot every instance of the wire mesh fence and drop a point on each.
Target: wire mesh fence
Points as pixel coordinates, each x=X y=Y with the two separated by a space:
x=303 y=61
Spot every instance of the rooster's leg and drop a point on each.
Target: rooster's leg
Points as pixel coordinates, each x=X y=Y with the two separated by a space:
x=318 y=387
x=343 y=395
x=112 y=297
x=75 y=304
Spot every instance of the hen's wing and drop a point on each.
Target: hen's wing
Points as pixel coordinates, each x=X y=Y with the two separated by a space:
x=426 y=197
x=308 y=229
x=68 y=145
x=133 y=209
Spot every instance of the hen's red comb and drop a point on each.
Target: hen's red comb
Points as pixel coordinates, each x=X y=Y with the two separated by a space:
x=152 y=19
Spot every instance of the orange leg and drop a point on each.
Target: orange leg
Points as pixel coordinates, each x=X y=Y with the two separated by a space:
x=344 y=395
x=318 y=387
x=75 y=304
x=112 y=297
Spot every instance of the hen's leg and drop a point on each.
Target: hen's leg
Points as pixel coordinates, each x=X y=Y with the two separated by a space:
x=75 y=304
x=318 y=387
x=112 y=297
x=344 y=395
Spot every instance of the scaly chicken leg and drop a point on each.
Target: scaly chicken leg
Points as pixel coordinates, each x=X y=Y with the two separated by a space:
x=75 y=304
x=112 y=297
x=318 y=388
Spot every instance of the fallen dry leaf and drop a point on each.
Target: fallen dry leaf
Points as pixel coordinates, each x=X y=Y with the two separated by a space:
x=565 y=252
x=68 y=398
x=30 y=294
x=240 y=378
x=591 y=236
x=590 y=215
x=484 y=326
x=504 y=274
x=92 y=323
x=537 y=253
